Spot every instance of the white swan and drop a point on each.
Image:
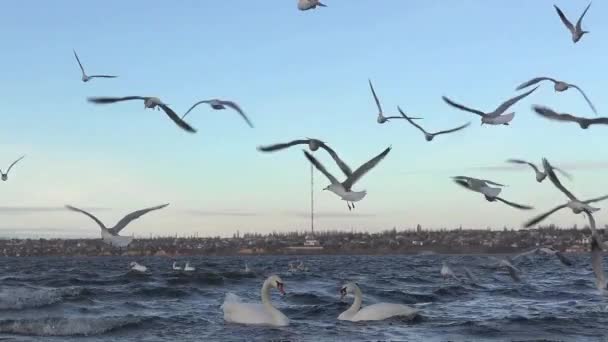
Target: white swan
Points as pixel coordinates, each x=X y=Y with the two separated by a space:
x=137 y=267
x=254 y=313
x=247 y=270
x=175 y=267
x=375 y=312
x=189 y=268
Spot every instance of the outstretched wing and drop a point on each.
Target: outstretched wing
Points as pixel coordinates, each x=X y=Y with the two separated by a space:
x=541 y=217
x=133 y=216
x=563 y=173
x=585 y=96
x=550 y=114
x=597 y=263
x=453 y=129
x=411 y=121
x=13 y=164
x=102 y=76
x=564 y=19
x=106 y=100
x=321 y=168
x=194 y=105
x=533 y=82
x=89 y=215
x=505 y=105
x=178 y=121
x=593 y=200
x=461 y=107
x=553 y=177
x=519 y=161
x=514 y=205
x=580 y=20
x=564 y=260
x=363 y=169
x=280 y=146
x=341 y=164
x=236 y=107
x=375 y=96
x=79 y=64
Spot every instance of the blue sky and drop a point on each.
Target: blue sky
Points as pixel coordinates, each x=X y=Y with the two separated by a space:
x=296 y=74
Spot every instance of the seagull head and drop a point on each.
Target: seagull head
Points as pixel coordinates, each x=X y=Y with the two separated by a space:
x=4 y=176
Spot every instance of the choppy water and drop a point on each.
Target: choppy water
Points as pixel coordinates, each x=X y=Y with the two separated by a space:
x=97 y=299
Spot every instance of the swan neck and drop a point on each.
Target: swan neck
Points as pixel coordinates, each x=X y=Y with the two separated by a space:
x=266 y=296
x=354 y=308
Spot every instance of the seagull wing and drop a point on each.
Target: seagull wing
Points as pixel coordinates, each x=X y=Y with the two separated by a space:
x=133 y=216
x=102 y=76
x=461 y=107
x=598 y=121
x=194 y=105
x=597 y=264
x=586 y=98
x=280 y=146
x=79 y=64
x=470 y=275
x=550 y=114
x=411 y=121
x=505 y=105
x=341 y=164
x=564 y=19
x=493 y=183
x=564 y=260
x=106 y=100
x=513 y=272
x=236 y=107
x=519 y=161
x=321 y=168
x=541 y=217
x=363 y=169
x=178 y=121
x=553 y=177
x=598 y=199
x=13 y=164
x=563 y=173
x=533 y=82
x=515 y=205
x=89 y=215
x=580 y=20
x=375 y=96
x=453 y=129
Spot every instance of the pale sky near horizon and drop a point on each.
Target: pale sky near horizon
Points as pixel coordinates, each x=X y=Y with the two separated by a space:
x=297 y=74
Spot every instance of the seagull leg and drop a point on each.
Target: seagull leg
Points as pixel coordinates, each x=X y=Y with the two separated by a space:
x=353 y=204
x=348 y=204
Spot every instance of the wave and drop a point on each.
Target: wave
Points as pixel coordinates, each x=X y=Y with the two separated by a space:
x=73 y=326
x=26 y=298
x=454 y=290
x=306 y=299
x=396 y=296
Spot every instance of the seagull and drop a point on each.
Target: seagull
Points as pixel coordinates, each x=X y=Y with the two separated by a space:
x=429 y=136
x=446 y=272
x=137 y=267
x=577 y=32
x=547 y=251
x=513 y=271
x=550 y=114
x=218 y=104
x=559 y=86
x=313 y=145
x=596 y=256
x=470 y=275
x=86 y=78
x=540 y=175
x=149 y=102
x=490 y=193
x=304 y=5
x=575 y=204
x=344 y=189
x=381 y=118
x=110 y=235
x=5 y=175
x=497 y=117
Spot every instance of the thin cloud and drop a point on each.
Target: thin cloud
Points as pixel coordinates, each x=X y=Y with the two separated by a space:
x=32 y=210
x=577 y=165
x=226 y=213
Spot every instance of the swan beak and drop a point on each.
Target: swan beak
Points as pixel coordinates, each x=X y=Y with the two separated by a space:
x=342 y=293
x=280 y=288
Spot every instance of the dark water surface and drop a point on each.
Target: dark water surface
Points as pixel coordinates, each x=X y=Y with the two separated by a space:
x=97 y=299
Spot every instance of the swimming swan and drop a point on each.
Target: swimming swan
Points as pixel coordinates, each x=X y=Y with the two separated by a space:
x=189 y=268
x=175 y=267
x=254 y=313
x=137 y=267
x=375 y=312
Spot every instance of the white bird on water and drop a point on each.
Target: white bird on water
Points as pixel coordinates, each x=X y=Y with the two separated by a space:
x=577 y=31
x=559 y=86
x=374 y=312
x=497 y=117
x=137 y=267
x=304 y=5
x=85 y=77
x=149 y=102
x=574 y=203
x=447 y=272
x=540 y=175
x=218 y=104
x=110 y=235
x=344 y=189
x=188 y=268
x=176 y=268
x=5 y=174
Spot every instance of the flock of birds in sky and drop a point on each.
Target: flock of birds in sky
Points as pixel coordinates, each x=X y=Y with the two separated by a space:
x=265 y=313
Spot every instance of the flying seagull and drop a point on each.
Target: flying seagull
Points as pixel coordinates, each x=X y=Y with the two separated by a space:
x=490 y=193
x=85 y=77
x=540 y=175
x=575 y=204
x=597 y=256
x=497 y=117
x=550 y=114
x=304 y=5
x=5 y=174
x=513 y=271
x=429 y=136
x=110 y=235
x=447 y=272
x=577 y=32
x=313 y=145
x=344 y=189
x=218 y=104
x=149 y=102
x=559 y=86
x=547 y=251
x=381 y=118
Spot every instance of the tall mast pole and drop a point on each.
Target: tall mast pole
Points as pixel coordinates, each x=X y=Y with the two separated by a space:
x=312 y=200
